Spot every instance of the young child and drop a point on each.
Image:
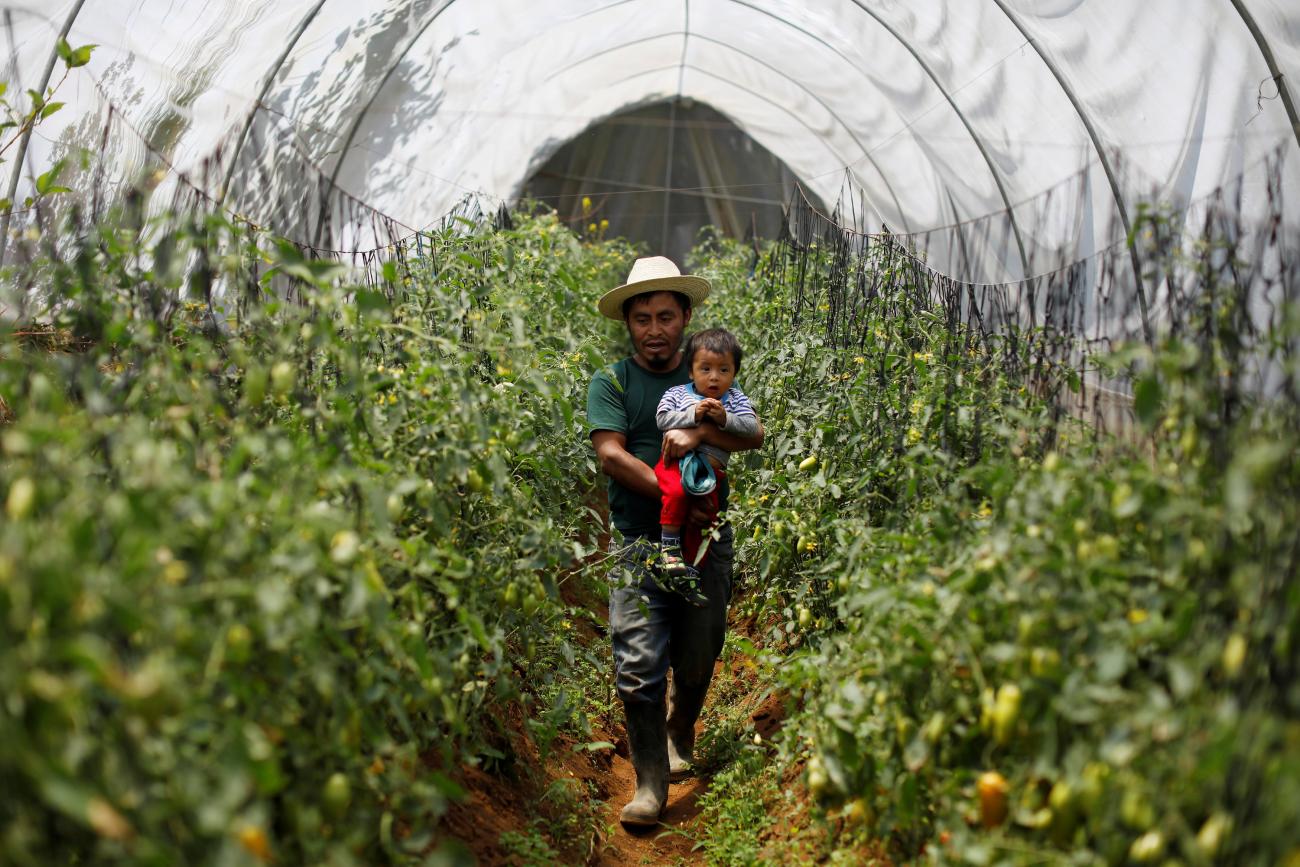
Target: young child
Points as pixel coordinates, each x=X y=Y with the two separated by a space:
x=713 y=359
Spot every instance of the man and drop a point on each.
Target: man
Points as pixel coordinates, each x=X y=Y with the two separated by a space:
x=652 y=626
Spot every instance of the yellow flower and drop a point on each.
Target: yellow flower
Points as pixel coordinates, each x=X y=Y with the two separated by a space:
x=858 y=359
x=586 y=204
x=913 y=436
x=591 y=227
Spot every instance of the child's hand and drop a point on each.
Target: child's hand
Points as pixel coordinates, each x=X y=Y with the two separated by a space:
x=713 y=410
x=702 y=410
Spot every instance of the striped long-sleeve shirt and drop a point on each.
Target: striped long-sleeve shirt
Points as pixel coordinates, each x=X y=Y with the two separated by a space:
x=677 y=410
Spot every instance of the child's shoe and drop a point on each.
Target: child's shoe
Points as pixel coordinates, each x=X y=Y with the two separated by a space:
x=688 y=586
x=673 y=563
x=681 y=577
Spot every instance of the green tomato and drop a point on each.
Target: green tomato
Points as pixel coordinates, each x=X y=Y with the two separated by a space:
x=1092 y=785
x=987 y=703
x=1006 y=712
x=1065 y=810
x=344 y=547
x=255 y=385
x=336 y=796
x=22 y=496
x=396 y=506
x=239 y=643
x=935 y=727
x=1135 y=809
x=1147 y=848
x=283 y=376
x=818 y=780
x=510 y=596
x=1027 y=627
x=1044 y=662
x=1212 y=834
x=1234 y=654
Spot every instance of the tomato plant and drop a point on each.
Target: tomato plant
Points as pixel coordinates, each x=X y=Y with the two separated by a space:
x=253 y=552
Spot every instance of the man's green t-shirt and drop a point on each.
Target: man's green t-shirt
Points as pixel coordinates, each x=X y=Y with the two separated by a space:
x=624 y=398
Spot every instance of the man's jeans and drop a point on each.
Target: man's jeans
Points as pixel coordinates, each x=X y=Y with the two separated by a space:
x=653 y=628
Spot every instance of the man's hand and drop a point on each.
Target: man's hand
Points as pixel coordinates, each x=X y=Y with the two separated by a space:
x=698 y=516
x=679 y=442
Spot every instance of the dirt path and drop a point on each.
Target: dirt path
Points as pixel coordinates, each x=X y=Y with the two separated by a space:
x=669 y=844
x=673 y=841
x=499 y=804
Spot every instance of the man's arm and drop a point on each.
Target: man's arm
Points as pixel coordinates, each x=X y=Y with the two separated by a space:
x=622 y=466
x=679 y=442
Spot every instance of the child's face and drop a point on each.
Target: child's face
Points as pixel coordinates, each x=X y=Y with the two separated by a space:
x=712 y=372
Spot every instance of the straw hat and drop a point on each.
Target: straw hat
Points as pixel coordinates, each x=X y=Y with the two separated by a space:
x=653 y=274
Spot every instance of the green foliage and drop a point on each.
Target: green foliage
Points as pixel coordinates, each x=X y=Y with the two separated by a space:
x=267 y=568
x=22 y=119
x=967 y=582
x=269 y=571
x=563 y=832
x=73 y=57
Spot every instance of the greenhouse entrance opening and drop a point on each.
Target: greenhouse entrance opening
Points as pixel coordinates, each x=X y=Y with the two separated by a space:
x=613 y=178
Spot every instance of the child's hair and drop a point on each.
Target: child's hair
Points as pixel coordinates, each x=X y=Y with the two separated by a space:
x=718 y=340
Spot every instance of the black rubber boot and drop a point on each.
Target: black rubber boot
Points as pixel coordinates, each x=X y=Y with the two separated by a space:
x=647 y=736
x=684 y=704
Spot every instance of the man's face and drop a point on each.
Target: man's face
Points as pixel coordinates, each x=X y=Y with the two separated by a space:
x=655 y=323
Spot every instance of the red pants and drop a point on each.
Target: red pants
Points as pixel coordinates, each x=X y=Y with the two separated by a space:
x=676 y=504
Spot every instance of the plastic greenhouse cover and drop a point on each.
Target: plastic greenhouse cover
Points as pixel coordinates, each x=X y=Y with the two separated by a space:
x=938 y=112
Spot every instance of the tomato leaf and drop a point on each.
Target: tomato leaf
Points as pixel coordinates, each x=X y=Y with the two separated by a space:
x=47 y=184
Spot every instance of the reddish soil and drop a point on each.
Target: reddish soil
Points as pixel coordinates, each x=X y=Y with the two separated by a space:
x=513 y=798
x=509 y=801
x=669 y=844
